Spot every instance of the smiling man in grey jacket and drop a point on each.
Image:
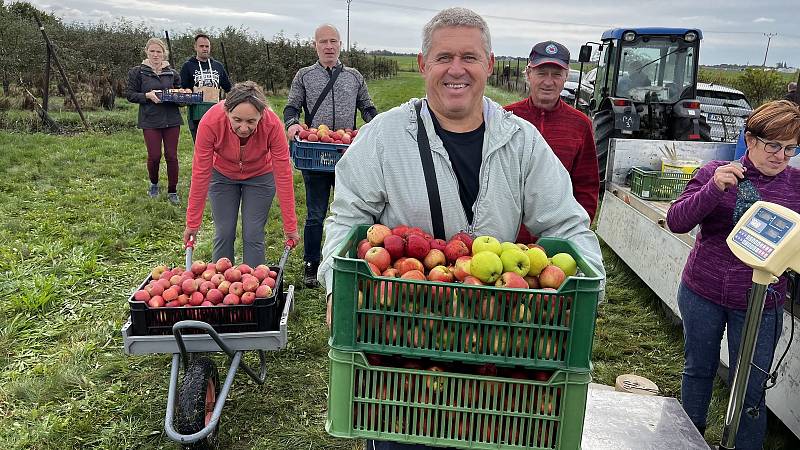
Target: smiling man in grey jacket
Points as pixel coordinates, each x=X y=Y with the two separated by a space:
x=494 y=170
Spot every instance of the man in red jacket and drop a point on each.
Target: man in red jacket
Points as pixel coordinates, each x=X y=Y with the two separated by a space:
x=567 y=130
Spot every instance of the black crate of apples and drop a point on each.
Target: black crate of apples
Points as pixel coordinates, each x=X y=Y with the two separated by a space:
x=232 y=299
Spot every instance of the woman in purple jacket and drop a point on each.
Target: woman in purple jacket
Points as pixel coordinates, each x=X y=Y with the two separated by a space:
x=714 y=286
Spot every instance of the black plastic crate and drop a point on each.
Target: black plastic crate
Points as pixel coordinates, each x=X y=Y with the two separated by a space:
x=263 y=315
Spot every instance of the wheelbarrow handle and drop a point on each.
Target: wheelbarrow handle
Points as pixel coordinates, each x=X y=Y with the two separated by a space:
x=290 y=243
x=189 y=251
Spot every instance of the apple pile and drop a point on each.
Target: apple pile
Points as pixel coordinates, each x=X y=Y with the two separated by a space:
x=343 y=136
x=213 y=284
x=428 y=385
x=409 y=252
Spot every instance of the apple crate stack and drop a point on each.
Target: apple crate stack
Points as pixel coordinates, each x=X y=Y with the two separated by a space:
x=464 y=365
x=319 y=149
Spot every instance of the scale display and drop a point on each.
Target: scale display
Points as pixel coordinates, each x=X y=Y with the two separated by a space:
x=769 y=227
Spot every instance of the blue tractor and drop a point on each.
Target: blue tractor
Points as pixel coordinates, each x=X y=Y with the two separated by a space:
x=646 y=87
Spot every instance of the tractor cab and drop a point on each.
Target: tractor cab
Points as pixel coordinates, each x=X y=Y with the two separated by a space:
x=645 y=87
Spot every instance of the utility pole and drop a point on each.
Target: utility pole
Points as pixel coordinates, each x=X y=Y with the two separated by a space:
x=769 y=38
x=348 y=25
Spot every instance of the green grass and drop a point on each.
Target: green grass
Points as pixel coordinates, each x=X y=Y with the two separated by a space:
x=77 y=233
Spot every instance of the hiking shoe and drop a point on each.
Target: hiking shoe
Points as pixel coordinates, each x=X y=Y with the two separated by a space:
x=153 y=193
x=173 y=198
x=310 y=274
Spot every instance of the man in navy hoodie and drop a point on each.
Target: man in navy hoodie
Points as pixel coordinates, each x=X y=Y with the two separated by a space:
x=203 y=71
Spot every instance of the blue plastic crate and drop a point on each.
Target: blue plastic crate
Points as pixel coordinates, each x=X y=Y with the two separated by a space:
x=180 y=97
x=316 y=156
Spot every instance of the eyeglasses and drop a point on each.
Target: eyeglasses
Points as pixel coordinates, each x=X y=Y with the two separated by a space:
x=775 y=147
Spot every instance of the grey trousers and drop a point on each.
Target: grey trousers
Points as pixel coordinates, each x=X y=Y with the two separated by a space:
x=254 y=195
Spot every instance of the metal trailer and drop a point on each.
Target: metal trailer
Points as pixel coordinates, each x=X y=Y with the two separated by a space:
x=636 y=230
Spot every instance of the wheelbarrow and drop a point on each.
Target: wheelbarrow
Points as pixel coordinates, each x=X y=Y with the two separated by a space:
x=194 y=408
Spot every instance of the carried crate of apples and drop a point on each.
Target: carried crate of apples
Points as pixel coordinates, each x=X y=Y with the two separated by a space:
x=452 y=404
x=400 y=291
x=319 y=149
x=230 y=298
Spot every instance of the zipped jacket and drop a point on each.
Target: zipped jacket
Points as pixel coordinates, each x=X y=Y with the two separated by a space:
x=380 y=180
x=141 y=80
x=338 y=109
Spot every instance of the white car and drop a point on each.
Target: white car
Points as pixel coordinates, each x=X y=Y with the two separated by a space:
x=571 y=85
x=725 y=109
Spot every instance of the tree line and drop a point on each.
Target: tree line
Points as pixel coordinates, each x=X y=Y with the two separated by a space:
x=97 y=57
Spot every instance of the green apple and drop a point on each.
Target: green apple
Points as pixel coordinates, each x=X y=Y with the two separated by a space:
x=486 y=266
x=515 y=260
x=508 y=246
x=538 y=260
x=486 y=243
x=565 y=262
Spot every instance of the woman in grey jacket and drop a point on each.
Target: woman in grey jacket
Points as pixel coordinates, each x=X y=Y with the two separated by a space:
x=160 y=122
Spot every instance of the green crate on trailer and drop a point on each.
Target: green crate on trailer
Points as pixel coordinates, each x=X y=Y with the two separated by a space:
x=657 y=185
x=458 y=322
x=451 y=409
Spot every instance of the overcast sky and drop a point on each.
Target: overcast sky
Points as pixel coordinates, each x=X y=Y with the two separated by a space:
x=733 y=29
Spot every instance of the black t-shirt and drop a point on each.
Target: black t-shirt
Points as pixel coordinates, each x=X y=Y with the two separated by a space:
x=465 y=151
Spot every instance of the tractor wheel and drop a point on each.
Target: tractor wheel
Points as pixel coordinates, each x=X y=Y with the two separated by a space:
x=603 y=127
x=196 y=399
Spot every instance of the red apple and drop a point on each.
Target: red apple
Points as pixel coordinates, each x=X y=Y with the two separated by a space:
x=395 y=245
x=156 y=302
x=440 y=274
x=223 y=264
x=173 y=304
x=456 y=249
x=400 y=230
x=251 y=284
x=263 y=291
x=154 y=289
x=374 y=269
x=391 y=272
x=377 y=233
x=224 y=286
x=206 y=303
x=260 y=273
x=188 y=286
x=435 y=257
x=269 y=282
x=197 y=299
x=363 y=246
x=511 y=280
x=236 y=288
x=214 y=296
x=409 y=264
x=461 y=269
x=463 y=237
x=170 y=294
x=205 y=286
x=244 y=268
x=273 y=274
x=233 y=275
x=533 y=281
x=198 y=267
x=141 y=296
x=231 y=299
x=417 y=247
x=208 y=274
x=248 y=298
x=380 y=257
x=439 y=244
x=551 y=277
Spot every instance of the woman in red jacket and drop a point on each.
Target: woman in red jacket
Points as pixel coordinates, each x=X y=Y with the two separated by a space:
x=241 y=156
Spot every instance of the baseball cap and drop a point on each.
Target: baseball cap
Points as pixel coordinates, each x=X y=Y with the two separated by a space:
x=549 y=52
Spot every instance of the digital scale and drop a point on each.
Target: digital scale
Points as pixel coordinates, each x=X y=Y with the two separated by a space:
x=767 y=239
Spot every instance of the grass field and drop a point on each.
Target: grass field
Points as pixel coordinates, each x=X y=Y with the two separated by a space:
x=77 y=233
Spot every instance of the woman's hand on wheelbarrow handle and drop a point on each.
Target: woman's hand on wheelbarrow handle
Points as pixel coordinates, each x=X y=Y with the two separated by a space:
x=292 y=239
x=189 y=236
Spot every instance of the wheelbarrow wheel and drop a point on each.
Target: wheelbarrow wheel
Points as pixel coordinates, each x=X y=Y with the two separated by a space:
x=196 y=399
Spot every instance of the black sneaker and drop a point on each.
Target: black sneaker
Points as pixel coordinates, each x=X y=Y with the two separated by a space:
x=310 y=274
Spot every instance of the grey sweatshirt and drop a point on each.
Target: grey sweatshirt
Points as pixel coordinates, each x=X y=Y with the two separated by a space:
x=338 y=108
x=380 y=179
